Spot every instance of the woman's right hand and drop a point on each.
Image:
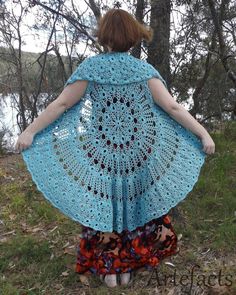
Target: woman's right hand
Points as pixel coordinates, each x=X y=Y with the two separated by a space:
x=208 y=144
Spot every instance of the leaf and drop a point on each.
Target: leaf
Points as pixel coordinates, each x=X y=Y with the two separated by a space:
x=4 y=240
x=169 y=263
x=179 y=237
x=171 y=292
x=52 y=256
x=84 y=280
x=36 y=229
x=67 y=244
x=203 y=253
x=51 y=230
x=65 y=273
x=12 y=216
x=69 y=251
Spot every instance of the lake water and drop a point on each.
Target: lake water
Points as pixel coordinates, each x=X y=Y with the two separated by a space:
x=8 y=120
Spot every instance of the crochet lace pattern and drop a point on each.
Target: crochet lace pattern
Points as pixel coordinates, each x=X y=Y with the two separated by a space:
x=115 y=160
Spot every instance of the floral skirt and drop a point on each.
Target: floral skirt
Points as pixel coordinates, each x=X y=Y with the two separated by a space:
x=109 y=253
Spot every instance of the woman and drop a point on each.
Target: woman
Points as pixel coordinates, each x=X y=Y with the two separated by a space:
x=125 y=151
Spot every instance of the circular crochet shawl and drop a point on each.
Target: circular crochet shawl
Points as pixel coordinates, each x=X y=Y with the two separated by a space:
x=115 y=160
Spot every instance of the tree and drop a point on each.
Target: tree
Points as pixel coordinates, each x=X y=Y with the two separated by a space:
x=192 y=62
x=158 y=51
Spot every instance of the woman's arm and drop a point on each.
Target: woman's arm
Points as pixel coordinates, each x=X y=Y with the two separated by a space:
x=163 y=98
x=68 y=97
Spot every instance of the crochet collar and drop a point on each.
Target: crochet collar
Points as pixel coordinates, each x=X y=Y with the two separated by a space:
x=114 y=68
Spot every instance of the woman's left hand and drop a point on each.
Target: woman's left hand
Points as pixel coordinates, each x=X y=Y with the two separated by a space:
x=24 y=140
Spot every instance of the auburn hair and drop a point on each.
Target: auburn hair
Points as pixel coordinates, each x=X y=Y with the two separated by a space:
x=119 y=30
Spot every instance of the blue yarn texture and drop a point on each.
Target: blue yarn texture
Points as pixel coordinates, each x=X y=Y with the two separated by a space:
x=115 y=160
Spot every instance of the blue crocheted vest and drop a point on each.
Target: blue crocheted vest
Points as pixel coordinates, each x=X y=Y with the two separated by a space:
x=115 y=160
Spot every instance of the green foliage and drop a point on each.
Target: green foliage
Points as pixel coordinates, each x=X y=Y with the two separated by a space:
x=55 y=74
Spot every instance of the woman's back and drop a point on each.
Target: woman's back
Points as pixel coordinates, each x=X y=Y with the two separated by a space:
x=121 y=159
x=116 y=161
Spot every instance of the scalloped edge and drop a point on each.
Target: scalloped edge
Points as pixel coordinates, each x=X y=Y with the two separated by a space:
x=185 y=194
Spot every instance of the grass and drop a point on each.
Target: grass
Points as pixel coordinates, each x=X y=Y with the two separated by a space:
x=214 y=199
x=33 y=259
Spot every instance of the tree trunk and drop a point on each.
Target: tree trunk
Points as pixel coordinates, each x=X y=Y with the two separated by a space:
x=217 y=19
x=136 y=50
x=158 y=49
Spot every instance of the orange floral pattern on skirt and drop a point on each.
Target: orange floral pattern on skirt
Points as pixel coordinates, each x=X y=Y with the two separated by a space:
x=109 y=253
